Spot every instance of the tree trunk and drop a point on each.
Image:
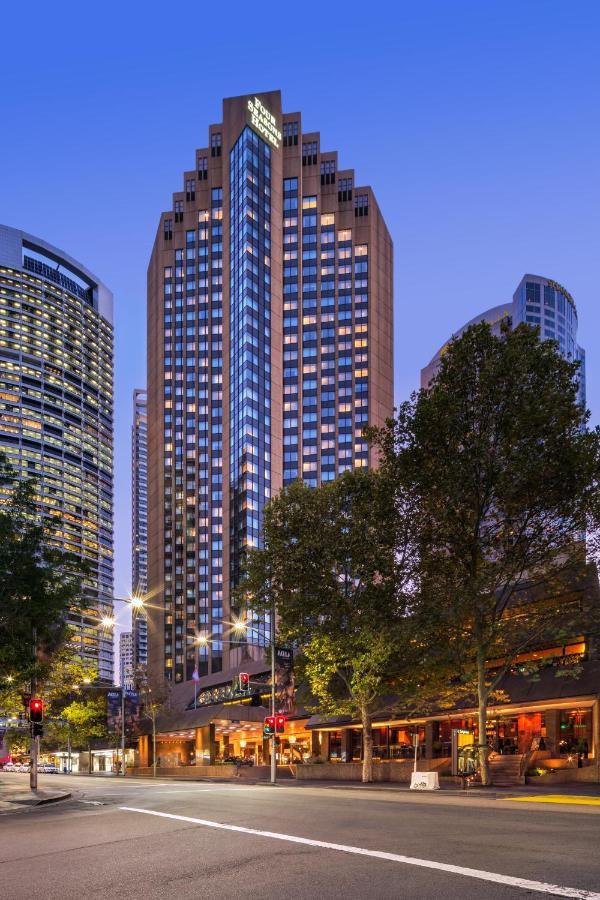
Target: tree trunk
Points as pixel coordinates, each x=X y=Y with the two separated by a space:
x=482 y=702
x=367 y=767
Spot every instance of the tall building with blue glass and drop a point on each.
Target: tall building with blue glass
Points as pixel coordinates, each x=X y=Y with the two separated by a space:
x=269 y=350
x=540 y=302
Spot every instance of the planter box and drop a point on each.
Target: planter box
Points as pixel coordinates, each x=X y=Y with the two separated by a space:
x=394 y=771
x=185 y=772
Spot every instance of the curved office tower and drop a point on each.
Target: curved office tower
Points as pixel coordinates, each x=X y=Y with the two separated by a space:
x=56 y=410
x=540 y=302
x=269 y=349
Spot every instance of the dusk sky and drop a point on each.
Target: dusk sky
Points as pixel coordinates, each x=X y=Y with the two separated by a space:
x=476 y=123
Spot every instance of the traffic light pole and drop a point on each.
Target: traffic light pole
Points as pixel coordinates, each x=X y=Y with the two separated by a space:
x=33 y=751
x=273 y=737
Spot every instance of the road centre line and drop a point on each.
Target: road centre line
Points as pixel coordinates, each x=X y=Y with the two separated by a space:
x=509 y=880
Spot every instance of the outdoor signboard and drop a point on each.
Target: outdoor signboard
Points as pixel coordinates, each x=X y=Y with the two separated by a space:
x=464 y=752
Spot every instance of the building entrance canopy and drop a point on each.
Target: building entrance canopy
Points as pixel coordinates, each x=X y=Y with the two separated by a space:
x=190 y=719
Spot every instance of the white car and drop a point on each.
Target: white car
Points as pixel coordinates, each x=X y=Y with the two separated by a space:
x=9 y=767
x=47 y=769
x=23 y=767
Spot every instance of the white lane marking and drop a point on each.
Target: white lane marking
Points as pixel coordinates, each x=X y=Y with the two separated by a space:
x=528 y=885
x=205 y=790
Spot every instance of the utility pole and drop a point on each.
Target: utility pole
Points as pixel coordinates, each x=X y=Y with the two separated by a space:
x=273 y=737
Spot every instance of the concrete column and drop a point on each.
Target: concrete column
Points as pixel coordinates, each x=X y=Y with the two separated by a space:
x=552 y=718
x=325 y=745
x=143 y=747
x=205 y=745
x=315 y=743
x=430 y=737
x=266 y=744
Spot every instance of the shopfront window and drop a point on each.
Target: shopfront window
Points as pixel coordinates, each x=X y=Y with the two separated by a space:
x=380 y=743
x=356 y=745
x=575 y=732
x=401 y=743
x=335 y=745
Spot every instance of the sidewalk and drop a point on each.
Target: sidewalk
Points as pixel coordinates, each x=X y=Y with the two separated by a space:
x=15 y=797
x=446 y=789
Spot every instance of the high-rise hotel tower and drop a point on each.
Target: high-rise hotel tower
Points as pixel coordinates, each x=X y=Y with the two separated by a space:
x=139 y=526
x=56 y=411
x=269 y=349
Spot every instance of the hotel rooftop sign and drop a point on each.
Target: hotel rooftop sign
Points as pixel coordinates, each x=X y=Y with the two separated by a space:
x=263 y=121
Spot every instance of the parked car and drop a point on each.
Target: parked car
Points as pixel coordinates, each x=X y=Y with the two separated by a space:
x=9 y=767
x=23 y=767
x=48 y=769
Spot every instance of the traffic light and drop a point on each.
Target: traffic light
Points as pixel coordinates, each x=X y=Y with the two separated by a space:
x=244 y=682
x=279 y=724
x=37 y=729
x=269 y=726
x=36 y=710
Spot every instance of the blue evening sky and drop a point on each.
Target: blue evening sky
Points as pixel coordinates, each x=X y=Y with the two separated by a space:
x=476 y=122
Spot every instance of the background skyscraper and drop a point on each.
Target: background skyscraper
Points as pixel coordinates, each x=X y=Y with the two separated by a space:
x=539 y=302
x=269 y=349
x=126 y=664
x=139 y=526
x=139 y=493
x=56 y=411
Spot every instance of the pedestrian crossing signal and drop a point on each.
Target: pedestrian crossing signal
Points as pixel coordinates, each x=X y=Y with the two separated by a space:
x=244 y=682
x=279 y=724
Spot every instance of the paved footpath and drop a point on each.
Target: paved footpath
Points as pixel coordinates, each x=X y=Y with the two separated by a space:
x=166 y=839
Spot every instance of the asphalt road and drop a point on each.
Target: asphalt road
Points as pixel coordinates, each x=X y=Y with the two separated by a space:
x=140 y=839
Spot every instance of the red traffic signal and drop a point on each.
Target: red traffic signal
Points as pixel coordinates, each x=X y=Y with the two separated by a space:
x=279 y=724
x=244 y=682
x=36 y=710
x=269 y=726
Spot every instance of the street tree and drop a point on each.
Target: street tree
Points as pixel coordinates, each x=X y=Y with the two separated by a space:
x=336 y=567
x=85 y=717
x=504 y=480
x=39 y=582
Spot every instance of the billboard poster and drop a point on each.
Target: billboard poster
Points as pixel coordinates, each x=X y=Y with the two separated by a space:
x=132 y=712
x=285 y=688
x=113 y=711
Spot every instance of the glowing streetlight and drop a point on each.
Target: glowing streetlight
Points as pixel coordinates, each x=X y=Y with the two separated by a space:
x=108 y=621
x=136 y=603
x=239 y=626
